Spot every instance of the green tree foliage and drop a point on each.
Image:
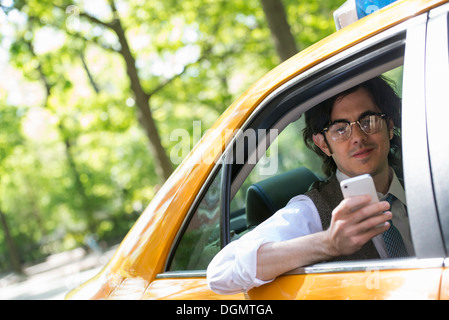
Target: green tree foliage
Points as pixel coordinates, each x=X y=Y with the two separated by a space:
x=75 y=157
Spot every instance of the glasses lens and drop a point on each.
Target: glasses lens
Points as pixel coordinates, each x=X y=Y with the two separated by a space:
x=339 y=130
x=371 y=124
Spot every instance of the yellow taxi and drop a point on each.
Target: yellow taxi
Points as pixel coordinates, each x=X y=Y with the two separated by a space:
x=253 y=160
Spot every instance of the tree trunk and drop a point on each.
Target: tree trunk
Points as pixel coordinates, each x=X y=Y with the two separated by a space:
x=280 y=29
x=163 y=165
x=13 y=253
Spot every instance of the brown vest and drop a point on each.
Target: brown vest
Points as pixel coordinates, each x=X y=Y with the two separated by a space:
x=326 y=195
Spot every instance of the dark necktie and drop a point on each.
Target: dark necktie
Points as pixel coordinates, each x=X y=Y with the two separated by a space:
x=392 y=237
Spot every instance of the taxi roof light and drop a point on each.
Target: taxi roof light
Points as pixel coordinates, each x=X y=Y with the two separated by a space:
x=353 y=10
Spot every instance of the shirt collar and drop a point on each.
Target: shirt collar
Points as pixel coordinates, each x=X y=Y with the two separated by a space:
x=395 y=189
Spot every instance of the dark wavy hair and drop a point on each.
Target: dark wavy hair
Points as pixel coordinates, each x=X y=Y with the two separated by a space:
x=385 y=98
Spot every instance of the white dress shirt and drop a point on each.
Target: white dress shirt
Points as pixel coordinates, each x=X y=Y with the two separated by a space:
x=234 y=268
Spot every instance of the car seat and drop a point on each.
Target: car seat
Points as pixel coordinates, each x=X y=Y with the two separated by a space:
x=266 y=197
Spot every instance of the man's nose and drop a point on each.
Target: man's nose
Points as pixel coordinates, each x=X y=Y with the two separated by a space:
x=357 y=133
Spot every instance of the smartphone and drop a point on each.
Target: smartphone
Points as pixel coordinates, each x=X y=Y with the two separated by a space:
x=358 y=186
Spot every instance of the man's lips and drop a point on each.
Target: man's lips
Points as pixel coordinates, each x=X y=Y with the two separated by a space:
x=362 y=153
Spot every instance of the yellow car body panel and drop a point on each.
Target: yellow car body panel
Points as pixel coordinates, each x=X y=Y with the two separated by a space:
x=143 y=253
x=192 y=288
x=444 y=291
x=420 y=284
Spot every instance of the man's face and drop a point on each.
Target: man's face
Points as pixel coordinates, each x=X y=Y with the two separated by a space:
x=361 y=153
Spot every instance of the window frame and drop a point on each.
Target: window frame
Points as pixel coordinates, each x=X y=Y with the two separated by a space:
x=437 y=69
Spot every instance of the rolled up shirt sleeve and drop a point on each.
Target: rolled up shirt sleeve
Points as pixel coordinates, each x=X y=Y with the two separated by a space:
x=234 y=268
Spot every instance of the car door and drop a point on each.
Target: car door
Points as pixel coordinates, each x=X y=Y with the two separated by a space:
x=416 y=277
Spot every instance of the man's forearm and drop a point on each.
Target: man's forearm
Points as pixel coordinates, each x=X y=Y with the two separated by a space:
x=276 y=258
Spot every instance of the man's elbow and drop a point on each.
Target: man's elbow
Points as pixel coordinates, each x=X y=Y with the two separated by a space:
x=220 y=282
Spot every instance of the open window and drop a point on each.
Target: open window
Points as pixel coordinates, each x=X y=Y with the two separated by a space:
x=270 y=165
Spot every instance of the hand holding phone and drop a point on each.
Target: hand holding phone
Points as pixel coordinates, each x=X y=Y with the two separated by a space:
x=357 y=226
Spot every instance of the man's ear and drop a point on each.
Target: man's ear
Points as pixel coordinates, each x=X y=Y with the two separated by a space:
x=321 y=143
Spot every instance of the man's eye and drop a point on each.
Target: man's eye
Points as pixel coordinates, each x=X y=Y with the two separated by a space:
x=365 y=123
x=340 y=128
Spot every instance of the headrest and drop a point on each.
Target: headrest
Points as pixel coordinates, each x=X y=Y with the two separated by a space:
x=266 y=197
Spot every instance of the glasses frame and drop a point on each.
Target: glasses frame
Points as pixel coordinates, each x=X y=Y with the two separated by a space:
x=326 y=129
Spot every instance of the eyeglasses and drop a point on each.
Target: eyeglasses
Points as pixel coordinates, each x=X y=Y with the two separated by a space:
x=341 y=130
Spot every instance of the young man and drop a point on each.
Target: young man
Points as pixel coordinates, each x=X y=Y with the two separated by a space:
x=354 y=133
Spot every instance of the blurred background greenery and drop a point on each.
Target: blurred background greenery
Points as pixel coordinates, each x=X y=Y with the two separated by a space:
x=90 y=91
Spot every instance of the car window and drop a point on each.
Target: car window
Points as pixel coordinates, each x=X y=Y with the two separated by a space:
x=293 y=169
x=200 y=241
